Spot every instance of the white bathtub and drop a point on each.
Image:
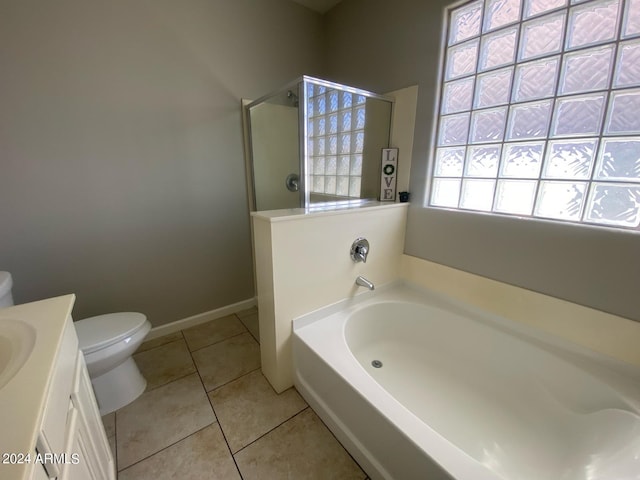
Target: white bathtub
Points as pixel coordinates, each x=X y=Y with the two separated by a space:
x=463 y=394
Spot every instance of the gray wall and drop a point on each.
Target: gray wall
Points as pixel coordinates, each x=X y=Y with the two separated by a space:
x=382 y=46
x=121 y=161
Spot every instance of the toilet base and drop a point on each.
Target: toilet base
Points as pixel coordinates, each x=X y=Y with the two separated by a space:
x=118 y=387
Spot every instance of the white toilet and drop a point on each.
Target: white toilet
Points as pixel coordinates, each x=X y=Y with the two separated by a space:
x=107 y=342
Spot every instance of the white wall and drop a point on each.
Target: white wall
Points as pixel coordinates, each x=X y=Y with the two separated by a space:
x=403 y=122
x=303 y=263
x=121 y=163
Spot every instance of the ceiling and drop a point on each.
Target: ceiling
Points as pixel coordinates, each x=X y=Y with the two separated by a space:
x=321 y=6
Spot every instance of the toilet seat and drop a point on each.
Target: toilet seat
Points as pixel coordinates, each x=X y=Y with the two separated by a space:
x=102 y=331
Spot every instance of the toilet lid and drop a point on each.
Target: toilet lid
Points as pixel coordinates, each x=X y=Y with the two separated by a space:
x=99 y=332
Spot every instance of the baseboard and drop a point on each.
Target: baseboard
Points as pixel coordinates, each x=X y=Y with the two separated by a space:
x=204 y=317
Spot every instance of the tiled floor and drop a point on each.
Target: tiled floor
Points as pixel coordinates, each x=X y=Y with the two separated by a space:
x=209 y=413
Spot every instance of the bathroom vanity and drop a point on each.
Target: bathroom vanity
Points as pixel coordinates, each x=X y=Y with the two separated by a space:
x=49 y=419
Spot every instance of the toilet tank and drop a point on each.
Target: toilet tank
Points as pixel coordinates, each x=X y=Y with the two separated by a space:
x=6 y=299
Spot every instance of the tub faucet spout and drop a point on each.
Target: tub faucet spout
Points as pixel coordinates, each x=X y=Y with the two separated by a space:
x=363 y=282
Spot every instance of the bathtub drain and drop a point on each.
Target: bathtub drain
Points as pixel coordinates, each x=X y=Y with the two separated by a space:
x=376 y=364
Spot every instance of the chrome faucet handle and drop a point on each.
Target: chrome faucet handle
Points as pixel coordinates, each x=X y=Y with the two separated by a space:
x=360 y=250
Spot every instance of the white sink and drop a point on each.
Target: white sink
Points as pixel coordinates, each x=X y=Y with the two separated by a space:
x=17 y=339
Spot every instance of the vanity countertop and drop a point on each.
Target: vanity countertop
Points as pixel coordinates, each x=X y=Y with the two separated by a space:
x=22 y=399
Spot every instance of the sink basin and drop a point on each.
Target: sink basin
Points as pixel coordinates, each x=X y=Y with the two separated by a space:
x=17 y=340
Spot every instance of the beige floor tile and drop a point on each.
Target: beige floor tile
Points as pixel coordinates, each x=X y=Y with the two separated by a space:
x=301 y=448
x=213 y=332
x=156 y=342
x=227 y=360
x=203 y=455
x=109 y=422
x=248 y=407
x=251 y=322
x=161 y=417
x=165 y=363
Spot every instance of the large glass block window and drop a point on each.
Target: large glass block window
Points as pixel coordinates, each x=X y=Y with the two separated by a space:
x=540 y=111
x=335 y=135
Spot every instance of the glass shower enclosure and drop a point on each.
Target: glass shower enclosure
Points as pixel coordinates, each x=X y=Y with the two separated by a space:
x=316 y=142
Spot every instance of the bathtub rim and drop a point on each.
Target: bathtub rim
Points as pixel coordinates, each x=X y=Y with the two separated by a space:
x=458 y=464
x=527 y=332
x=616 y=373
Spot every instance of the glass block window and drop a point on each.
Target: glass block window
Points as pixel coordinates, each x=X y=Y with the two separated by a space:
x=540 y=111
x=335 y=133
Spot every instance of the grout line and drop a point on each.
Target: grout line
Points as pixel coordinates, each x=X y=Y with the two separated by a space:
x=206 y=394
x=279 y=425
x=161 y=345
x=203 y=387
x=167 y=447
x=254 y=337
x=223 y=340
x=366 y=475
x=230 y=381
x=197 y=371
x=173 y=380
x=224 y=436
x=247 y=327
x=177 y=441
x=200 y=348
x=193 y=363
x=221 y=385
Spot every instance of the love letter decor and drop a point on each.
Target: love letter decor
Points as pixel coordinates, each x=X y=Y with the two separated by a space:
x=389 y=174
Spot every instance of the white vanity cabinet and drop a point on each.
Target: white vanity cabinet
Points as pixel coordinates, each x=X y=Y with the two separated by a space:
x=72 y=435
x=49 y=420
x=85 y=432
